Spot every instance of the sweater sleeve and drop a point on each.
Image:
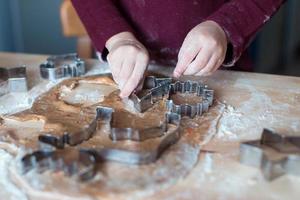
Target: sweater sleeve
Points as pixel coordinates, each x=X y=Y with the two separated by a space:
x=241 y=20
x=101 y=19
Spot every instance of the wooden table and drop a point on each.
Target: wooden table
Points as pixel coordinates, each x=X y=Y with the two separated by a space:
x=248 y=103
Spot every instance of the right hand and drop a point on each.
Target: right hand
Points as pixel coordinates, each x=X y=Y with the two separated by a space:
x=128 y=60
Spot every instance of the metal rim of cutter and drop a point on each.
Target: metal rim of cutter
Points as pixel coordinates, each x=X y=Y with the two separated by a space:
x=83 y=165
x=117 y=134
x=157 y=88
x=191 y=87
x=45 y=160
x=132 y=157
x=61 y=66
x=127 y=133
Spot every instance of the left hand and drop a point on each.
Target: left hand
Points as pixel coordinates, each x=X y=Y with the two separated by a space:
x=203 y=50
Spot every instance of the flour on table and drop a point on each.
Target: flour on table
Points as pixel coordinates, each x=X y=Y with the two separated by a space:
x=247 y=121
x=11 y=103
x=8 y=189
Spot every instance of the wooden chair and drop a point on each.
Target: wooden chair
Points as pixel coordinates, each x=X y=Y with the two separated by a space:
x=72 y=27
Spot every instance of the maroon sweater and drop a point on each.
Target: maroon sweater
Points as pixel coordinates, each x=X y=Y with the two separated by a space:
x=161 y=25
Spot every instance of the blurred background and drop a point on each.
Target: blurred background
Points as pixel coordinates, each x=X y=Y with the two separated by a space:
x=52 y=27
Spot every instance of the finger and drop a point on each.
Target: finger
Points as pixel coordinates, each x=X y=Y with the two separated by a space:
x=208 y=69
x=115 y=68
x=114 y=65
x=186 y=55
x=126 y=71
x=185 y=45
x=141 y=83
x=136 y=77
x=218 y=65
x=199 y=63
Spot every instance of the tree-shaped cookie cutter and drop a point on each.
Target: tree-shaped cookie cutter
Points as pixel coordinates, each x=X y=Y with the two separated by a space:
x=254 y=153
x=61 y=66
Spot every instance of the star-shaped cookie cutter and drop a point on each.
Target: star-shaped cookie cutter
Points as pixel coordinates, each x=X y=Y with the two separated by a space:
x=201 y=91
x=61 y=66
x=255 y=153
x=15 y=77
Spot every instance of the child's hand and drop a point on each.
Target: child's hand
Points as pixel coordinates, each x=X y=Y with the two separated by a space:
x=128 y=60
x=203 y=50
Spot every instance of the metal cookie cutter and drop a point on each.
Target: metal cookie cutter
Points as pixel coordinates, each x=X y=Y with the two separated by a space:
x=121 y=133
x=82 y=162
x=67 y=65
x=71 y=139
x=153 y=90
x=170 y=136
x=254 y=153
x=127 y=133
x=191 y=110
x=72 y=162
x=116 y=133
x=281 y=143
x=15 y=77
